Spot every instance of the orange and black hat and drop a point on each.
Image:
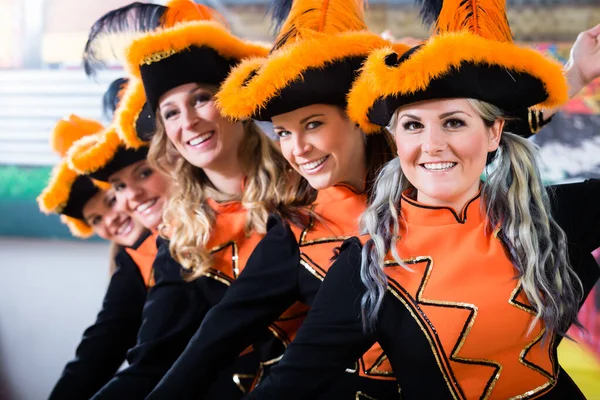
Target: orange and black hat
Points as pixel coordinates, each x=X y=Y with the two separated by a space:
x=471 y=55
x=67 y=192
x=201 y=51
x=101 y=155
x=316 y=56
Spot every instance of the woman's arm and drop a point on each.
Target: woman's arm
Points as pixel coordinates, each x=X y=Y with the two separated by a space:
x=331 y=338
x=172 y=313
x=104 y=345
x=264 y=290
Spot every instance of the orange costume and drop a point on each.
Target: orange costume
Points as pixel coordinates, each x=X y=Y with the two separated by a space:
x=287 y=266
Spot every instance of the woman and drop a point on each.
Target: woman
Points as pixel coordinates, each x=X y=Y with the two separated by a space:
x=334 y=157
x=87 y=207
x=226 y=177
x=467 y=285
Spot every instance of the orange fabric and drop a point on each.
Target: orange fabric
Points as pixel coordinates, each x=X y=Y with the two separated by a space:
x=144 y=256
x=231 y=248
x=339 y=208
x=463 y=292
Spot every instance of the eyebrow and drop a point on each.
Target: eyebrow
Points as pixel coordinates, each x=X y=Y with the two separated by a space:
x=192 y=91
x=303 y=120
x=442 y=116
x=136 y=169
x=89 y=218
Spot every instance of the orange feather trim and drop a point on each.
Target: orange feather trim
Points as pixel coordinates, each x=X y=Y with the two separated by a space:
x=78 y=227
x=436 y=58
x=104 y=186
x=186 y=10
x=70 y=129
x=240 y=98
x=485 y=18
x=161 y=43
x=128 y=113
x=54 y=197
x=91 y=153
x=323 y=16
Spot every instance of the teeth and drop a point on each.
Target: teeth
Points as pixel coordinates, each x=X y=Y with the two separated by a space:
x=439 y=166
x=143 y=207
x=124 y=226
x=314 y=164
x=200 y=139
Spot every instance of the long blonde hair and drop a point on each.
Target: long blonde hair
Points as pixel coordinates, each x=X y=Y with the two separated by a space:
x=514 y=198
x=188 y=219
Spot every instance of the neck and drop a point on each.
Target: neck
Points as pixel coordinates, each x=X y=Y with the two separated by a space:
x=457 y=204
x=357 y=178
x=227 y=180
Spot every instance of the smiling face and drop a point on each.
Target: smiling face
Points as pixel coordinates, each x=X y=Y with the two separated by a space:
x=197 y=129
x=322 y=145
x=141 y=191
x=99 y=212
x=443 y=147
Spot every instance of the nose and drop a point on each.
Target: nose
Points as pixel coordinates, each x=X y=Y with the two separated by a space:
x=433 y=140
x=301 y=146
x=190 y=118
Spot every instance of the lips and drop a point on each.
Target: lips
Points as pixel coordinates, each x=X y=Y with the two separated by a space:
x=313 y=165
x=125 y=227
x=198 y=140
x=146 y=207
x=438 y=166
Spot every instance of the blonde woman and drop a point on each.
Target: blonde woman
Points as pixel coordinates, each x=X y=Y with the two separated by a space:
x=227 y=177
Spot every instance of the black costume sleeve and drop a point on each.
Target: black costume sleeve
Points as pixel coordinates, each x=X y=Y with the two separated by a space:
x=104 y=345
x=264 y=290
x=169 y=319
x=576 y=208
x=330 y=339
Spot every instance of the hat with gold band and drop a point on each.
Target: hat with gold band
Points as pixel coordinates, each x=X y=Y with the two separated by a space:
x=67 y=192
x=316 y=56
x=198 y=51
x=471 y=55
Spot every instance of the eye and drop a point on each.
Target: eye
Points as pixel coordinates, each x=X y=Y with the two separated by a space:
x=454 y=123
x=202 y=98
x=168 y=114
x=95 y=220
x=412 y=126
x=313 y=125
x=110 y=202
x=118 y=186
x=146 y=172
x=283 y=134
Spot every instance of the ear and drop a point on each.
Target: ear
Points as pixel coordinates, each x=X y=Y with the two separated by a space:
x=495 y=135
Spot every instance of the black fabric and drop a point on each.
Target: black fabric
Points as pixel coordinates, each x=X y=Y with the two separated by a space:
x=104 y=345
x=272 y=280
x=193 y=64
x=173 y=312
x=124 y=157
x=145 y=125
x=82 y=190
x=332 y=334
x=509 y=90
x=326 y=85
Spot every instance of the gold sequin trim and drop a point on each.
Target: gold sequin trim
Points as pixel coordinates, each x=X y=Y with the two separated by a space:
x=156 y=57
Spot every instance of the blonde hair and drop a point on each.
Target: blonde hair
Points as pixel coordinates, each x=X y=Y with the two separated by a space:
x=515 y=199
x=188 y=219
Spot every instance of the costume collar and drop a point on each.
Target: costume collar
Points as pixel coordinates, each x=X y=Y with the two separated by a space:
x=418 y=213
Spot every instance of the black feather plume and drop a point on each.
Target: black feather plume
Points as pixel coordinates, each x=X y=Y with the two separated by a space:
x=429 y=10
x=133 y=18
x=279 y=11
x=111 y=97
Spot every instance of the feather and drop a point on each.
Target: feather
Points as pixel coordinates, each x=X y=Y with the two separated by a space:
x=485 y=18
x=69 y=130
x=279 y=11
x=429 y=10
x=114 y=29
x=305 y=17
x=112 y=97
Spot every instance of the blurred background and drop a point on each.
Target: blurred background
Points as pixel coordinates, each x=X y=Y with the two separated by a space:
x=52 y=285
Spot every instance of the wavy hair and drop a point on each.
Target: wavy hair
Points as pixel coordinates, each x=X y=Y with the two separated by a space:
x=515 y=199
x=188 y=219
